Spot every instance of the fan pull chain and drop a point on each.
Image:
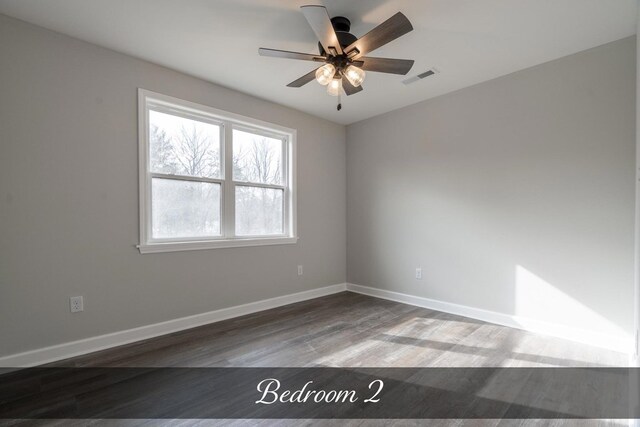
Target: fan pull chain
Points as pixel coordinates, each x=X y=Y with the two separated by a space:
x=340 y=100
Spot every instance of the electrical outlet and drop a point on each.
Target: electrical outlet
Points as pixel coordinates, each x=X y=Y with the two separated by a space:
x=76 y=304
x=299 y=270
x=419 y=273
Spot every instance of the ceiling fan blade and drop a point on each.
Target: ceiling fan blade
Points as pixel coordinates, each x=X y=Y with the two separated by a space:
x=276 y=53
x=318 y=19
x=303 y=80
x=386 y=65
x=350 y=89
x=394 y=27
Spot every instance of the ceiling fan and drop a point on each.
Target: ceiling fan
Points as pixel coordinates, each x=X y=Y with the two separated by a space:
x=343 y=54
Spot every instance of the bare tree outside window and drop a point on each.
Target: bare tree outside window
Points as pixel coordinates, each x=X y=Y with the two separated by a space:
x=162 y=156
x=185 y=208
x=180 y=146
x=258 y=159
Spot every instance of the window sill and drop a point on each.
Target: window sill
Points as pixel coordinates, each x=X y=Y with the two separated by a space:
x=151 y=248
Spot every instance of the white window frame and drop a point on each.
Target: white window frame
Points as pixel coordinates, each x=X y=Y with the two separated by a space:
x=227 y=121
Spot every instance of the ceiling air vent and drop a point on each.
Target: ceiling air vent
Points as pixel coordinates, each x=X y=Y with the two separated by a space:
x=420 y=76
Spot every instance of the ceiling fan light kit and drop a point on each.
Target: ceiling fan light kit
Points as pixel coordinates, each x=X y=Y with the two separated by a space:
x=355 y=75
x=334 y=87
x=343 y=54
x=325 y=74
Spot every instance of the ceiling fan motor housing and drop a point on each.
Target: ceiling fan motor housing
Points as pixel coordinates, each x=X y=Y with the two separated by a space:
x=342 y=26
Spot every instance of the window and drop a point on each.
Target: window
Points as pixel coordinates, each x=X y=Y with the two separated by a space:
x=211 y=179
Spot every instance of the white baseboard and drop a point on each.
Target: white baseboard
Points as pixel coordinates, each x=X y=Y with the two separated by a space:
x=618 y=343
x=101 y=342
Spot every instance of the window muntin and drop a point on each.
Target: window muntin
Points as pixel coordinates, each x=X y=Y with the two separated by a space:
x=212 y=179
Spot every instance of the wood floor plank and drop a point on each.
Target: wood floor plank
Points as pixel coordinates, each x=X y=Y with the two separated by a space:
x=347 y=330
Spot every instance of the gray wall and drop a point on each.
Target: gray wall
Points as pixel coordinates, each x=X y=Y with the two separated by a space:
x=515 y=195
x=637 y=235
x=69 y=198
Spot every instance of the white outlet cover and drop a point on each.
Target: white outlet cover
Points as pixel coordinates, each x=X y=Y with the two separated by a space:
x=419 y=273
x=76 y=304
x=300 y=270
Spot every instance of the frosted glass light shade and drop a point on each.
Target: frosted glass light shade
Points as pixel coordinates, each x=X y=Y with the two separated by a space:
x=325 y=73
x=334 y=87
x=355 y=75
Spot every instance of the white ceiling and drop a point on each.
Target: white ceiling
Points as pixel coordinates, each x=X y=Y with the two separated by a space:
x=468 y=41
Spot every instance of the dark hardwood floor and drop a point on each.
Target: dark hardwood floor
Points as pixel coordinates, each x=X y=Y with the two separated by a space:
x=345 y=330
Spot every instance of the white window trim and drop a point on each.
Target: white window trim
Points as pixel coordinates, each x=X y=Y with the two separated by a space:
x=227 y=121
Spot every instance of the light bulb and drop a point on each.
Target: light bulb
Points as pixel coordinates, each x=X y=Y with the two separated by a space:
x=325 y=73
x=355 y=75
x=334 y=87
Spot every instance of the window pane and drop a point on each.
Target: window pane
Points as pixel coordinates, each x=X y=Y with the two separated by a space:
x=259 y=211
x=257 y=158
x=184 y=208
x=182 y=146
